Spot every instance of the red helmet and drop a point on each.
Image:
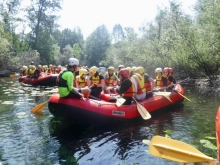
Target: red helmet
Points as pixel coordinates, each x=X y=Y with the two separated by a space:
x=166 y=69
x=171 y=70
x=124 y=72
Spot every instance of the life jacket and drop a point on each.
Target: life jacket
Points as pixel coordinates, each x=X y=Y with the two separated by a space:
x=130 y=92
x=140 y=85
x=49 y=71
x=109 y=80
x=159 y=82
x=95 y=80
x=58 y=71
x=82 y=82
x=168 y=81
x=60 y=81
x=147 y=83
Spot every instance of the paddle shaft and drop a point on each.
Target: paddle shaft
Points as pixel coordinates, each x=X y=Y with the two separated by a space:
x=184 y=96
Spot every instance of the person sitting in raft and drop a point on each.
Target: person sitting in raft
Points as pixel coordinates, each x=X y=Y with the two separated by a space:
x=127 y=89
x=23 y=71
x=148 y=81
x=171 y=80
x=161 y=81
x=81 y=79
x=140 y=89
x=65 y=81
x=96 y=81
x=58 y=69
x=110 y=79
x=37 y=72
x=118 y=74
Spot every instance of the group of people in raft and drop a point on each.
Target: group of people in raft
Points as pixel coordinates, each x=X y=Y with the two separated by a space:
x=32 y=72
x=127 y=82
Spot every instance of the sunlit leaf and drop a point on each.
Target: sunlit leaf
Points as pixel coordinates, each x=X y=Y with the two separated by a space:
x=208 y=144
x=210 y=137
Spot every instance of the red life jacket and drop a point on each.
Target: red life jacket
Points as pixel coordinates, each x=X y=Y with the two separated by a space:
x=130 y=92
x=147 y=83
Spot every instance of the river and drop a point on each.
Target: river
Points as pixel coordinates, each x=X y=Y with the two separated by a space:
x=27 y=138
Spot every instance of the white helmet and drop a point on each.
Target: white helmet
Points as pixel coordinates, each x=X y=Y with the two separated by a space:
x=73 y=61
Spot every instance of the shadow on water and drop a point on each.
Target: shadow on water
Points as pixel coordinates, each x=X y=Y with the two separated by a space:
x=98 y=144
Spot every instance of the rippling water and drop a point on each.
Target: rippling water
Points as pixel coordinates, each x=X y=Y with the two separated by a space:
x=27 y=138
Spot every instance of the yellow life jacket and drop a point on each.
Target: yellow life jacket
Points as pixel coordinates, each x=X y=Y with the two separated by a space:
x=82 y=82
x=140 y=86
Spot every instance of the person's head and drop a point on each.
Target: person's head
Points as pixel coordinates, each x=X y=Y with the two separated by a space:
x=59 y=66
x=120 y=67
x=111 y=70
x=39 y=66
x=158 y=71
x=166 y=71
x=82 y=72
x=140 y=70
x=124 y=73
x=32 y=63
x=171 y=70
x=73 y=64
x=93 y=70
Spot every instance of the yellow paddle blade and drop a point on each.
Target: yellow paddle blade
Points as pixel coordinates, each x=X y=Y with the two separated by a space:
x=184 y=96
x=162 y=93
x=176 y=151
x=38 y=108
x=142 y=110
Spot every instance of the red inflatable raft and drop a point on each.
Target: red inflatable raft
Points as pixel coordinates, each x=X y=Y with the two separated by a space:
x=94 y=111
x=47 y=80
x=217 y=129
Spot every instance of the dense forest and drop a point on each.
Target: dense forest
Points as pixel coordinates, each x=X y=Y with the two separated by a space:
x=188 y=43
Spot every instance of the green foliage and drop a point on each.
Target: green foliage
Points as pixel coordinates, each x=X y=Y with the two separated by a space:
x=97 y=45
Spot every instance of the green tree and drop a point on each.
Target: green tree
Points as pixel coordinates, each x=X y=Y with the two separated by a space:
x=97 y=45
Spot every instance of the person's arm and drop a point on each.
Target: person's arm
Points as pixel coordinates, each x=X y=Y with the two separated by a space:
x=77 y=82
x=70 y=80
x=102 y=82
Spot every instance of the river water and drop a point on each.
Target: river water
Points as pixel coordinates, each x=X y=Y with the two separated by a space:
x=27 y=138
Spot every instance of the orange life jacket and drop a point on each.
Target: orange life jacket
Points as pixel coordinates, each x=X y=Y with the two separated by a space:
x=109 y=80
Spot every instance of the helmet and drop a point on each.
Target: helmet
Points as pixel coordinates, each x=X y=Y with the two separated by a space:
x=171 y=70
x=39 y=66
x=82 y=72
x=124 y=72
x=121 y=66
x=93 y=69
x=54 y=66
x=158 y=70
x=32 y=63
x=129 y=68
x=166 y=69
x=111 y=68
x=73 y=61
x=140 y=69
x=133 y=68
x=23 y=67
x=59 y=66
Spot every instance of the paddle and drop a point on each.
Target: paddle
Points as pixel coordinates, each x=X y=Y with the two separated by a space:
x=39 y=108
x=119 y=101
x=176 y=151
x=184 y=96
x=165 y=94
x=142 y=110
